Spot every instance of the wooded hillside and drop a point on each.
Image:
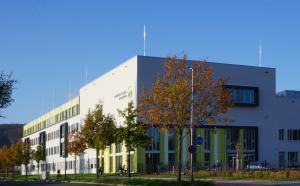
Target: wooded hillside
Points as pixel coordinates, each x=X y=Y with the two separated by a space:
x=10 y=133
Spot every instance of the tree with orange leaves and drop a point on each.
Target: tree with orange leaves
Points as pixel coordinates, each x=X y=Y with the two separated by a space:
x=76 y=144
x=17 y=153
x=168 y=103
x=4 y=158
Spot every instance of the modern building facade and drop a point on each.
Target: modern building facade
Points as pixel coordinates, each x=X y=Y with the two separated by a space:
x=265 y=124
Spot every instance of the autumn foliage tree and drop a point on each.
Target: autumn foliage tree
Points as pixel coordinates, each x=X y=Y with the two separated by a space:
x=132 y=133
x=76 y=144
x=16 y=153
x=99 y=130
x=168 y=102
x=5 y=159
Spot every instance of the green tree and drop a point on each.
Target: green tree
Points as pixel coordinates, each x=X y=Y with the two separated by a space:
x=76 y=144
x=99 y=131
x=168 y=104
x=132 y=133
x=38 y=155
x=27 y=155
x=6 y=86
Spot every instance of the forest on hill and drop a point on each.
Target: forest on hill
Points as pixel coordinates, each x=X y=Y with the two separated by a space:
x=10 y=133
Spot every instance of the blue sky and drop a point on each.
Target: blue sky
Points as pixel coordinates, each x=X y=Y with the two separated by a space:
x=48 y=43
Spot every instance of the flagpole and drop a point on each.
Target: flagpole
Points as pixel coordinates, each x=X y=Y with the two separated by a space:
x=144 y=40
x=260 y=53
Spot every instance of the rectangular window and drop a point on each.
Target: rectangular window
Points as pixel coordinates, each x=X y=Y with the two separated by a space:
x=118 y=162
x=110 y=164
x=293 y=159
x=171 y=158
x=250 y=139
x=206 y=159
x=243 y=95
x=118 y=148
x=77 y=109
x=206 y=139
x=73 y=111
x=171 y=139
x=233 y=138
x=155 y=137
x=110 y=149
x=281 y=159
x=281 y=134
x=70 y=112
x=293 y=134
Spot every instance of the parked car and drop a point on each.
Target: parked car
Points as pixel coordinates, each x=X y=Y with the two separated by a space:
x=258 y=165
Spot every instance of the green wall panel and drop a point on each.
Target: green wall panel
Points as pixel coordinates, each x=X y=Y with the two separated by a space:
x=222 y=146
x=242 y=146
x=200 y=149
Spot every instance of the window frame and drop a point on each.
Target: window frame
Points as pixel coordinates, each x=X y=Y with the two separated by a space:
x=237 y=87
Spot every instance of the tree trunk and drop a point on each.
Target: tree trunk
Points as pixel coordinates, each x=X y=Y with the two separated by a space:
x=128 y=164
x=26 y=171
x=179 y=156
x=38 y=168
x=75 y=166
x=97 y=162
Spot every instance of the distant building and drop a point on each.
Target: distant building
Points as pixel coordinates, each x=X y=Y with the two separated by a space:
x=265 y=128
x=293 y=94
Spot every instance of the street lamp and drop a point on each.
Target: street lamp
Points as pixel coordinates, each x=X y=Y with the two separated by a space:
x=192 y=127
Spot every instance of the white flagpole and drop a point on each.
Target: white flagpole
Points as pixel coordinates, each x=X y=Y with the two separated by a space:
x=260 y=53
x=144 y=40
x=86 y=73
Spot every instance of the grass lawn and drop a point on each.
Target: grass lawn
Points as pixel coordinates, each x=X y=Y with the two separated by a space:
x=113 y=179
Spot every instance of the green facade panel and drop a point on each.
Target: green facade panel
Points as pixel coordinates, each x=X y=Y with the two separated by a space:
x=140 y=159
x=222 y=146
x=242 y=147
x=200 y=149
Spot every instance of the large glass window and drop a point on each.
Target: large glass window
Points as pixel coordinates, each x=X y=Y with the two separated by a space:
x=154 y=143
x=118 y=162
x=233 y=136
x=293 y=159
x=118 y=148
x=206 y=139
x=110 y=164
x=294 y=134
x=249 y=139
x=171 y=159
x=242 y=95
x=281 y=134
x=281 y=159
x=171 y=139
x=110 y=149
x=206 y=160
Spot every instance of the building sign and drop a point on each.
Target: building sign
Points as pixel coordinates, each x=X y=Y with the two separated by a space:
x=124 y=94
x=121 y=95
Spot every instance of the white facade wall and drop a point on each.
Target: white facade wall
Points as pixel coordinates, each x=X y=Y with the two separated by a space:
x=125 y=82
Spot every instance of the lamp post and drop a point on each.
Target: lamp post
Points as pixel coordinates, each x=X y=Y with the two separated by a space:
x=192 y=127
